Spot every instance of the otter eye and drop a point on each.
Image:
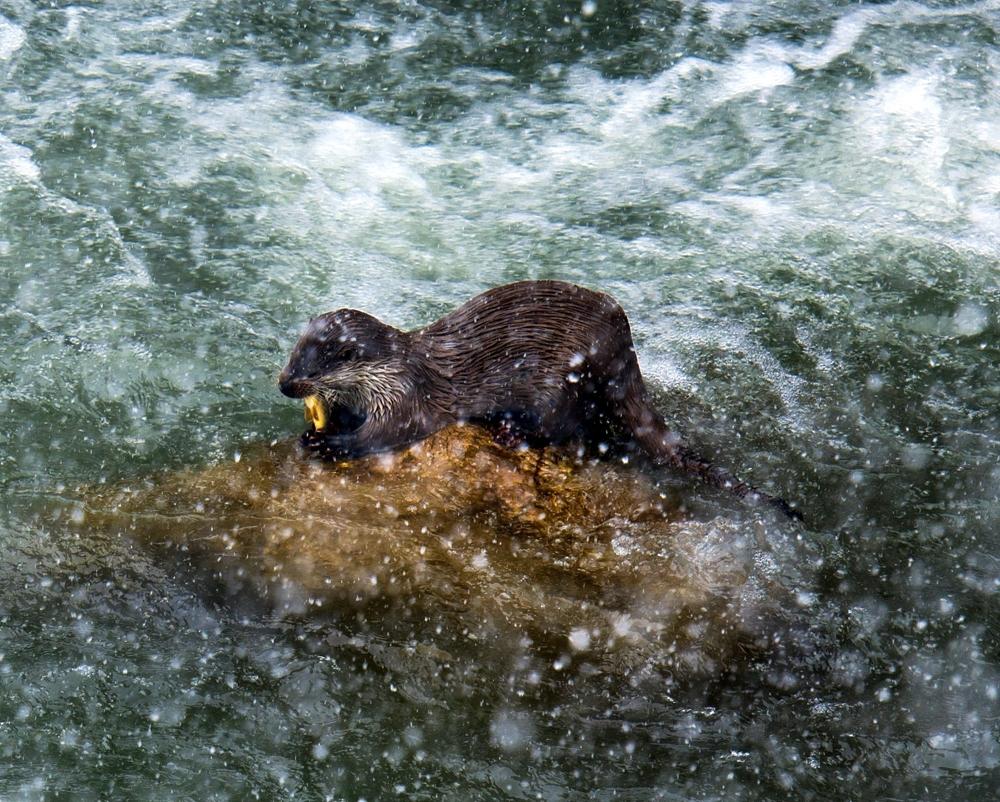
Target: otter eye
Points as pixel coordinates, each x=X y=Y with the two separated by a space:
x=348 y=354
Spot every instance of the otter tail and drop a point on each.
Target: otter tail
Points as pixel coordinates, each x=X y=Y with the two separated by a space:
x=683 y=459
x=665 y=448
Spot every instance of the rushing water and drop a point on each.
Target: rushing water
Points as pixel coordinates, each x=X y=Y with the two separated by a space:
x=797 y=203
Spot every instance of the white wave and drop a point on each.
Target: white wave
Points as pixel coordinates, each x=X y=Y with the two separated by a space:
x=376 y=156
x=903 y=123
x=11 y=39
x=74 y=18
x=16 y=161
x=844 y=36
x=755 y=69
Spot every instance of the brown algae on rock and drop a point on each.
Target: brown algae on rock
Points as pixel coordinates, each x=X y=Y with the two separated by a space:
x=499 y=545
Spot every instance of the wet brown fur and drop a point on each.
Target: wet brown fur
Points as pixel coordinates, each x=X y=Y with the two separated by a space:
x=537 y=361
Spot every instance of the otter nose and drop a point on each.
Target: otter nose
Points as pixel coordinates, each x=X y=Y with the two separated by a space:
x=293 y=386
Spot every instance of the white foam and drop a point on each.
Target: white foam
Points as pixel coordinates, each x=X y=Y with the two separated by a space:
x=903 y=124
x=633 y=102
x=970 y=319
x=375 y=156
x=910 y=96
x=717 y=12
x=74 y=16
x=635 y=110
x=11 y=39
x=986 y=218
x=844 y=36
x=15 y=160
x=766 y=208
x=755 y=70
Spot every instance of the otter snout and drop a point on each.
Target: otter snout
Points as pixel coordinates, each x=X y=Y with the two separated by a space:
x=294 y=386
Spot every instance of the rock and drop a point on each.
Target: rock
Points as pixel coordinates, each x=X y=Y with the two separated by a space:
x=456 y=532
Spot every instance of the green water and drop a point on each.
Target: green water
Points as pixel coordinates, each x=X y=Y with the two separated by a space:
x=798 y=205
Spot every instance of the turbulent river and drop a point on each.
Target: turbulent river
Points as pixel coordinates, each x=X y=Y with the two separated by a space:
x=798 y=205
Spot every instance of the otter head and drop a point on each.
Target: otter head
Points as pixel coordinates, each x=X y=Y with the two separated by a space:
x=347 y=366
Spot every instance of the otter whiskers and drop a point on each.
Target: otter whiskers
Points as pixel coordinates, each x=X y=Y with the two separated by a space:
x=371 y=388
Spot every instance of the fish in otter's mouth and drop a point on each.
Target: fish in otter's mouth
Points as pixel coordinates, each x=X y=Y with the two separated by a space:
x=338 y=417
x=315 y=412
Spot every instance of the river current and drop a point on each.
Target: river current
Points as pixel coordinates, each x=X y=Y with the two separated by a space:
x=798 y=205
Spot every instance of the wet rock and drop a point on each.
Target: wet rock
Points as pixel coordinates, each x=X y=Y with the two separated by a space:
x=459 y=536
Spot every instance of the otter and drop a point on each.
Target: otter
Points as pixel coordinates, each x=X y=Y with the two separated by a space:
x=534 y=362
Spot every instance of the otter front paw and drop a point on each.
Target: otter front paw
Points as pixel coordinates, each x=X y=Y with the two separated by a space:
x=315 y=444
x=507 y=434
x=311 y=441
x=324 y=446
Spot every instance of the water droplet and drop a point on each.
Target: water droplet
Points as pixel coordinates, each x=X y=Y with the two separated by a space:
x=579 y=639
x=970 y=319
